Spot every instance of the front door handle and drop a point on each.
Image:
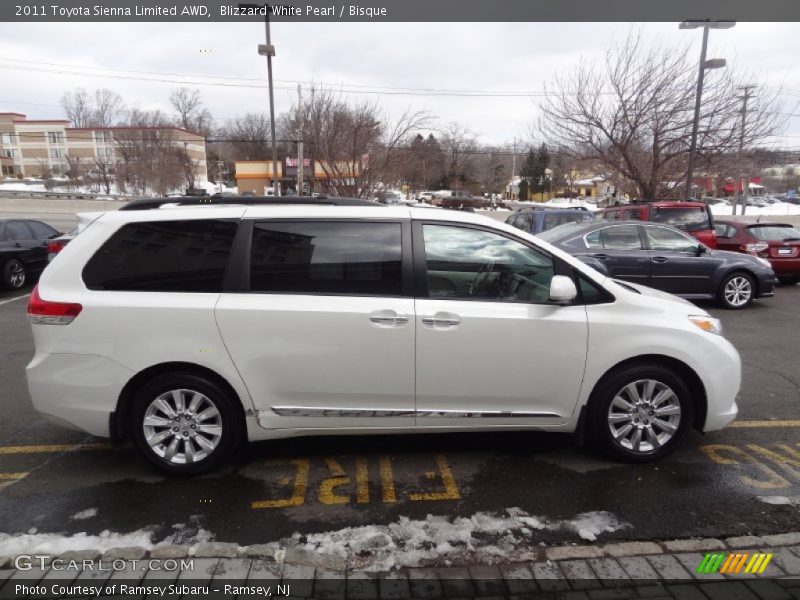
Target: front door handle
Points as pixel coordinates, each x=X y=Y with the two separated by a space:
x=441 y=320
x=660 y=259
x=388 y=318
x=601 y=256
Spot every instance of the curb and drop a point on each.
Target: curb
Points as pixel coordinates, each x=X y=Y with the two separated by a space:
x=300 y=556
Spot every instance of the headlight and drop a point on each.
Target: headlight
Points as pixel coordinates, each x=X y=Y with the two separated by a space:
x=709 y=324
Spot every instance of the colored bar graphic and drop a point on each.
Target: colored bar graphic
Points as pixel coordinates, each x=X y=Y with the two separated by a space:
x=733 y=563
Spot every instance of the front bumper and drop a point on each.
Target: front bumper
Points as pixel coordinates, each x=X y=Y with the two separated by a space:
x=722 y=379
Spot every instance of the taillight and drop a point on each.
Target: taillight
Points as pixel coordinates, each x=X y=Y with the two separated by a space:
x=754 y=248
x=44 y=312
x=55 y=247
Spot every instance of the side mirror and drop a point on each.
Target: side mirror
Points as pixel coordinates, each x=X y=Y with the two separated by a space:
x=562 y=290
x=700 y=250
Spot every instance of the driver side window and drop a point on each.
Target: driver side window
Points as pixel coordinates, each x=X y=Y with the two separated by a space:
x=470 y=264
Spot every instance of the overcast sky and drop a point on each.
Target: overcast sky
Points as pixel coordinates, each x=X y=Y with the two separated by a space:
x=492 y=57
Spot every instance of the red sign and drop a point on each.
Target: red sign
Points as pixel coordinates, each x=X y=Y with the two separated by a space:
x=292 y=162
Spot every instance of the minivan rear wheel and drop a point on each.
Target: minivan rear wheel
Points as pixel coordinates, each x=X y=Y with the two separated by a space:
x=640 y=414
x=184 y=423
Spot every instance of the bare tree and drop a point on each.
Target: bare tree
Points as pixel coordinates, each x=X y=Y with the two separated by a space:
x=358 y=148
x=459 y=146
x=101 y=109
x=104 y=171
x=108 y=107
x=248 y=137
x=78 y=108
x=633 y=114
x=192 y=115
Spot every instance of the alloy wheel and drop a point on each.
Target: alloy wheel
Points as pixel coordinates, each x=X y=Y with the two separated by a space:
x=16 y=275
x=182 y=426
x=738 y=291
x=644 y=415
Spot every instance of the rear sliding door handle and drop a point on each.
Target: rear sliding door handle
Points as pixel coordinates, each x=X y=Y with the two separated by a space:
x=440 y=321
x=660 y=259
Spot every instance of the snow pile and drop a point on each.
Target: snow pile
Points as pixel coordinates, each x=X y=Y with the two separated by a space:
x=57 y=543
x=437 y=540
x=21 y=187
x=776 y=209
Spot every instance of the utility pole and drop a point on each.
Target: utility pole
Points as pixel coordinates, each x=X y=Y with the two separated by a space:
x=513 y=166
x=268 y=50
x=299 y=140
x=746 y=185
x=714 y=63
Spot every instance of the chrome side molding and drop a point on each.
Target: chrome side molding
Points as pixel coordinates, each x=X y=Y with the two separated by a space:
x=314 y=411
x=504 y=414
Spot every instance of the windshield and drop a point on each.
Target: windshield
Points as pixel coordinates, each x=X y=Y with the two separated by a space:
x=774 y=233
x=561 y=232
x=690 y=218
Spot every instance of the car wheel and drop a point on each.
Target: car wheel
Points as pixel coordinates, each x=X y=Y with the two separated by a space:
x=737 y=290
x=789 y=280
x=185 y=424
x=14 y=276
x=640 y=414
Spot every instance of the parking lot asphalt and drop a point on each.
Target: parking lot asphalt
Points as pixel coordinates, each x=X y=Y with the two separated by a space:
x=744 y=479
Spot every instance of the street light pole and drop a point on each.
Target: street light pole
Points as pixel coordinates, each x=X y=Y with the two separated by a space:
x=704 y=64
x=268 y=50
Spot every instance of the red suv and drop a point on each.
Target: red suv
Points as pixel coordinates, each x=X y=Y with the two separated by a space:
x=779 y=243
x=692 y=217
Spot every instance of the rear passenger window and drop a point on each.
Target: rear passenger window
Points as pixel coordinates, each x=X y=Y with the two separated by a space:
x=313 y=257
x=163 y=256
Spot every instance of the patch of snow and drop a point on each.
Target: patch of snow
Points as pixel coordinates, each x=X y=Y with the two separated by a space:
x=781 y=500
x=777 y=209
x=21 y=187
x=57 y=543
x=484 y=537
x=84 y=514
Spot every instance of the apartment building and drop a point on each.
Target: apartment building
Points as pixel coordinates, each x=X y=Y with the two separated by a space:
x=36 y=148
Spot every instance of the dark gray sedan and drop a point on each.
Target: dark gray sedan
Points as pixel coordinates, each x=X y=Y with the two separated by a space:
x=665 y=258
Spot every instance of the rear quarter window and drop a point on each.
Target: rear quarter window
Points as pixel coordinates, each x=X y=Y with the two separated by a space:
x=163 y=256
x=690 y=218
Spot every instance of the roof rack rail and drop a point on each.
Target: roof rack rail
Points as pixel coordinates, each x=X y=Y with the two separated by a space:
x=152 y=203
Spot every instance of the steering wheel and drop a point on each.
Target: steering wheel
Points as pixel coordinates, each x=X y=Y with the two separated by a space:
x=480 y=276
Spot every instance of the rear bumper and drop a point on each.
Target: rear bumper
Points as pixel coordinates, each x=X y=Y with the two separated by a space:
x=785 y=266
x=76 y=390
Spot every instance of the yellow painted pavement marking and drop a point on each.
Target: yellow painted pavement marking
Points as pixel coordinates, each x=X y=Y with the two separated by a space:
x=52 y=448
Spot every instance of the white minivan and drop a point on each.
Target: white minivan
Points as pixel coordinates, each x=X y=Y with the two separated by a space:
x=189 y=330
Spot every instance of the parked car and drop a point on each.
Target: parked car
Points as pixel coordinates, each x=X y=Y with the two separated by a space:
x=190 y=330
x=779 y=243
x=23 y=250
x=667 y=259
x=694 y=218
x=536 y=220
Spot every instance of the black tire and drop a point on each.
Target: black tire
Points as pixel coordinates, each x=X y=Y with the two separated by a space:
x=789 y=279
x=598 y=426
x=229 y=419
x=14 y=275
x=728 y=299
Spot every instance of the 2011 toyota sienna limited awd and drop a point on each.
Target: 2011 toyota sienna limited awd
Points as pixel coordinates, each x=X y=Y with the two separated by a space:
x=190 y=330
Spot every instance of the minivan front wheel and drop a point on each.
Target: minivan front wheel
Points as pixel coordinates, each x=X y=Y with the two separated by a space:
x=640 y=414
x=185 y=423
